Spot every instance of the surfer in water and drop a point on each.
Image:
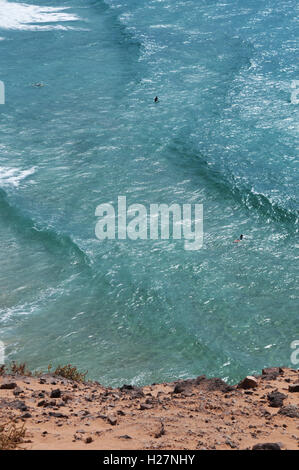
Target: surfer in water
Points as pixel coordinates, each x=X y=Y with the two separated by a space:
x=239 y=239
x=156 y=99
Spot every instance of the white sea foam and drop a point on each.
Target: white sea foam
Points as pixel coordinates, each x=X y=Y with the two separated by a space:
x=23 y=16
x=13 y=176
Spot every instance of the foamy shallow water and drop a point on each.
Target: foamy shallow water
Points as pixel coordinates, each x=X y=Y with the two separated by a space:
x=24 y=16
x=13 y=176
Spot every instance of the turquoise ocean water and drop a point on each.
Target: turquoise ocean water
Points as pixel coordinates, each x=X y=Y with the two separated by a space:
x=224 y=134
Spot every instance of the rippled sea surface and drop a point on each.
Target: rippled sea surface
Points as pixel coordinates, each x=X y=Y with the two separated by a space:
x=224 y=134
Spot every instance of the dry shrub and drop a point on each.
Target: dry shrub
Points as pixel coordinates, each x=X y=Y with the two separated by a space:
x=11 y=435
x=20 y=369
x=69 y=372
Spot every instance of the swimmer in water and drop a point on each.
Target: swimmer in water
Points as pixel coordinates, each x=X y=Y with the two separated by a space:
x=239 y=239
x=156 y=99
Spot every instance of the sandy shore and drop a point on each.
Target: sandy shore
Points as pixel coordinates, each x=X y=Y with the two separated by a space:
x=193 y=414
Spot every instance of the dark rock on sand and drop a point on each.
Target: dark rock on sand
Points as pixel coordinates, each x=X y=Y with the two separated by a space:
x=161 y=432
x=232 y=444
x=272 y=370
x=271 y=373
x=8 y=386
x=126 y=387
x=211 y=385
x=112 y=420
x=57 y=415
x=292 y=411
x=19 y=405
x=248 y=382
x=56 y=393
x=181 y=387
x=145 y=406
x=199 y=379
x=17 y=391
x=294 y=388
x=267 y=446
x=136 y=392
x=276 y=399
x=43 y=403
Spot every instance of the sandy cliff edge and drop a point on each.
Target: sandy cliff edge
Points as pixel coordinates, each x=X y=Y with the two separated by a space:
x=192 y=414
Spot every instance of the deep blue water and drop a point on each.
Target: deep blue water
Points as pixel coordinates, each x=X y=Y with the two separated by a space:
x=224 y=134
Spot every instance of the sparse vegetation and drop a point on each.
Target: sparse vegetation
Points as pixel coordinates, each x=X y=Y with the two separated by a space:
x=15 y=369
x=19 y=369
x=69 y=372
x=11 y=435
